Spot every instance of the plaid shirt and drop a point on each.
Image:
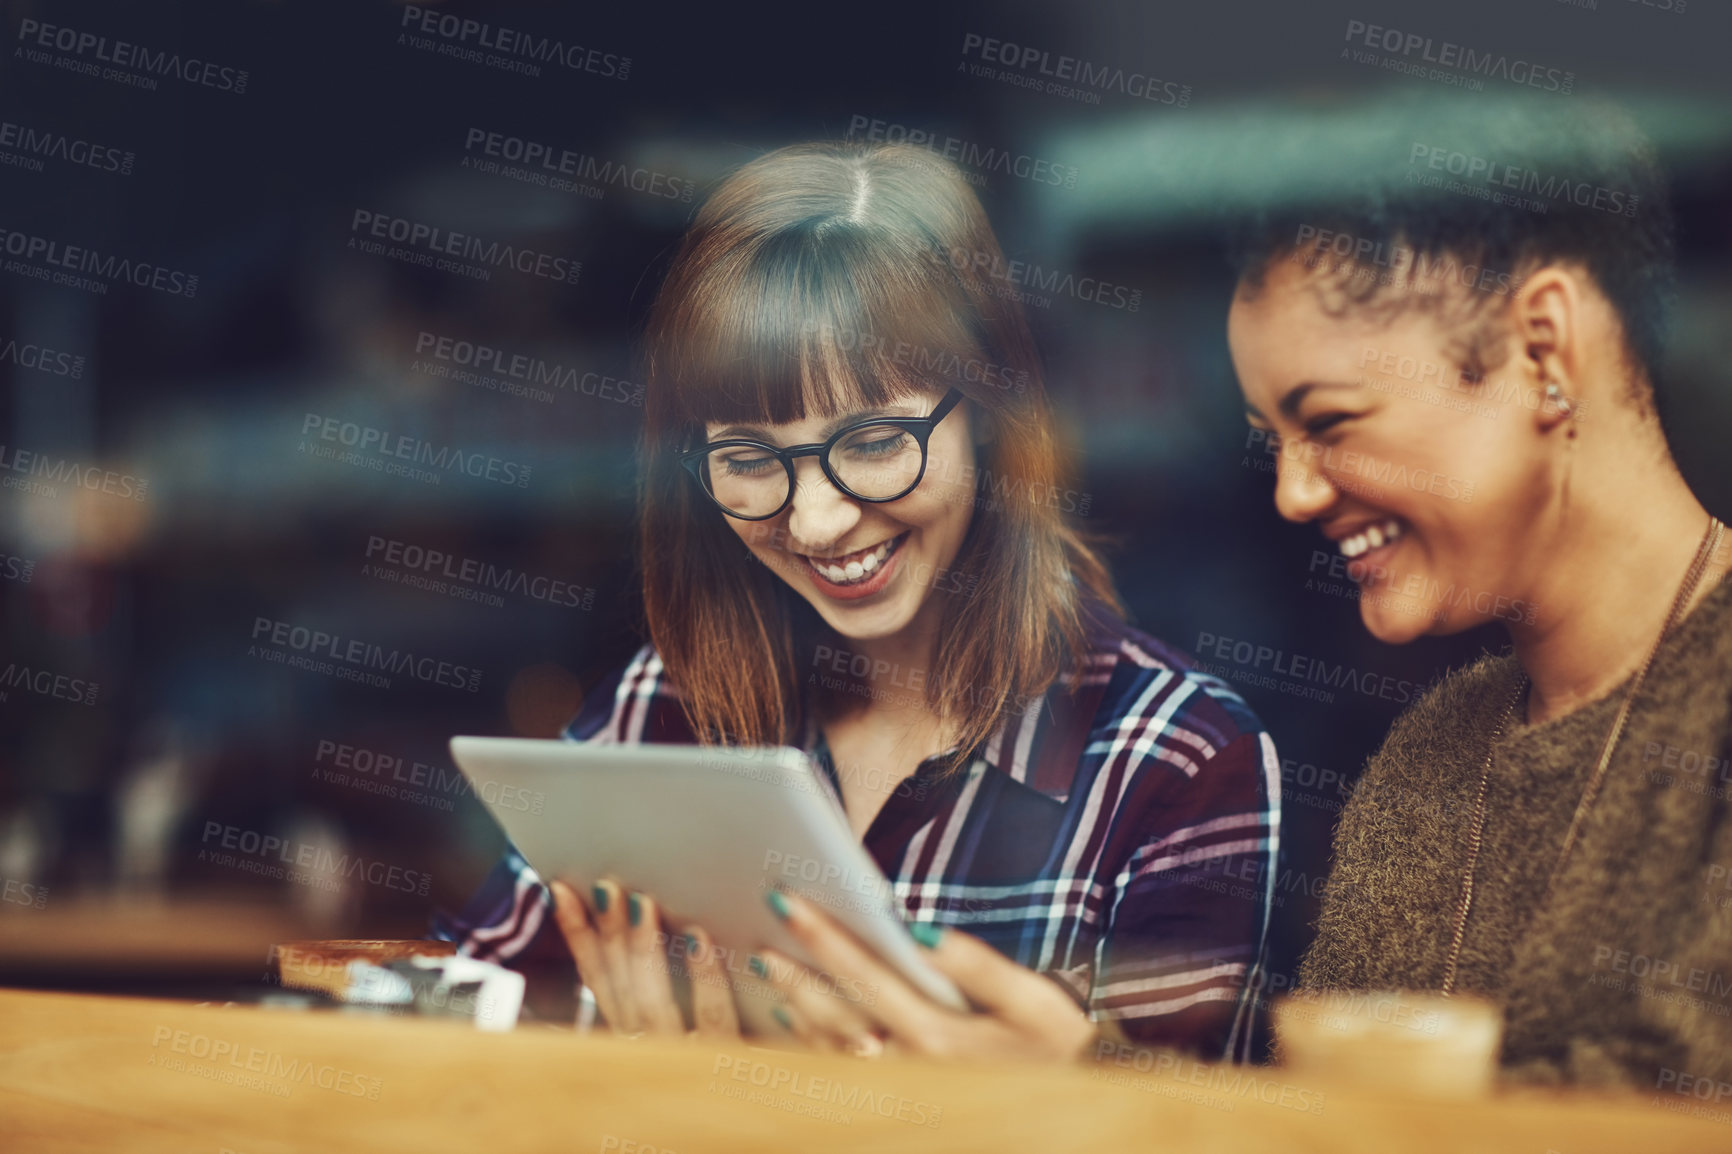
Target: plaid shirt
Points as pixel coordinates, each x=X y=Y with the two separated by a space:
x=1092 y=838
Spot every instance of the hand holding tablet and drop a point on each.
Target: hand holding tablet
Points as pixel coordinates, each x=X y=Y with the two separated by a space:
x=709 y=832
x=622 y=955
x=743 y=869
x=1018 y=1013
x=855 y=1003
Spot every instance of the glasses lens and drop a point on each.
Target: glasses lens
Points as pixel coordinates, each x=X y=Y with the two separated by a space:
x=878 y=461
x=747 y=481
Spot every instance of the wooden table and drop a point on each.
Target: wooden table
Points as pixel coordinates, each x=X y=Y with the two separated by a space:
x=86 y=1073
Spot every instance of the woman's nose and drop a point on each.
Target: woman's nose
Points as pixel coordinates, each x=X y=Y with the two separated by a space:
x=821 y=513
x=1302 y=493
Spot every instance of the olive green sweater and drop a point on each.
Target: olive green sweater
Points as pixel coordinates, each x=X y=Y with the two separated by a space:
x=1627 y=972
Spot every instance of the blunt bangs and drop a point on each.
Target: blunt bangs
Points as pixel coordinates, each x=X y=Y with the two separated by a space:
x=825 y=313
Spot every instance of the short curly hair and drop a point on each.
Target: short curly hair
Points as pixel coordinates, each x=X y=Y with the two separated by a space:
x=1505 y=188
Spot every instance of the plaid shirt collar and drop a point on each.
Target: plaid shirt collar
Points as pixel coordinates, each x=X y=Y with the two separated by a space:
x=1042 y=745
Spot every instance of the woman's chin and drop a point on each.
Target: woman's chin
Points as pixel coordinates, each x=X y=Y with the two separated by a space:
x=865 y=620
x=1397 y=623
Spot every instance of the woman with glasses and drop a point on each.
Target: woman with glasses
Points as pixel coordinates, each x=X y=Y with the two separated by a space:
x=853 y=541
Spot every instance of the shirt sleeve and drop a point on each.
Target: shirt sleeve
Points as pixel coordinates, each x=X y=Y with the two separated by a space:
x=509 y=921
x=1181 y=963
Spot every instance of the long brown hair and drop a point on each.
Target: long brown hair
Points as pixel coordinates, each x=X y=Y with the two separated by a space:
x=853 y=275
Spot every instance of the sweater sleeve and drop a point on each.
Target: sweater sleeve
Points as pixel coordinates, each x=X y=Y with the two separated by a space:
x=1678 y=989
x=1702 y=1019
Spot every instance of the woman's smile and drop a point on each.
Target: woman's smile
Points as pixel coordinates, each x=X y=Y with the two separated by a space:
x=851 y=576
x=1368 y=546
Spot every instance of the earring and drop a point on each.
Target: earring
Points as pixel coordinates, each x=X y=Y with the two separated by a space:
x=1560 y=402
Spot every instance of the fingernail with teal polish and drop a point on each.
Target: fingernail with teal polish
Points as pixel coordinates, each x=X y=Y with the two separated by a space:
x=634 y=908
x=782 y=1017
x=693 y=946
x=757 y=966
x=926 y=934
x=778 y=904
x=599 y=893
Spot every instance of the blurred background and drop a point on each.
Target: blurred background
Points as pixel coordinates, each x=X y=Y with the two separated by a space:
x=260 y=420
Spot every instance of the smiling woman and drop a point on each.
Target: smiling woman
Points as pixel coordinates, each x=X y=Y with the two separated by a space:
x=815 y=290
x=1356 y=329
x=848 y=546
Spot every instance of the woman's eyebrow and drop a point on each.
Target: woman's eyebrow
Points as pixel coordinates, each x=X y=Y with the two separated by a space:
x=1289 y=404
x=756 y=433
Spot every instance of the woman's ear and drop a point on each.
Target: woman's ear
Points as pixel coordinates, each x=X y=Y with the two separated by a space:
x=1548 y=322
x=1547 y=316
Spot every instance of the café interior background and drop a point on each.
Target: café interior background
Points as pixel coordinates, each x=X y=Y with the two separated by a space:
x=185 y=482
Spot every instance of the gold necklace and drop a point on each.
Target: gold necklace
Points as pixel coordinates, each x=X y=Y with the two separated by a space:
x=1710 y=544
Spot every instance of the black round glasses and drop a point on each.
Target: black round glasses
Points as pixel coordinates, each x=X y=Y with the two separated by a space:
x=877 y=460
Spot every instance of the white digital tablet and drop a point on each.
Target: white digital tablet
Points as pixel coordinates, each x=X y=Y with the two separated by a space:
x=706 y=831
